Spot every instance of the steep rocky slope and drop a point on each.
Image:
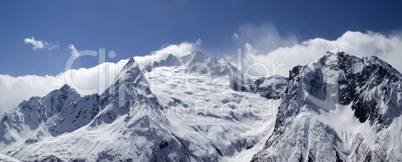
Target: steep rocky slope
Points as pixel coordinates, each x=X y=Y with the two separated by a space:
x=339 y=108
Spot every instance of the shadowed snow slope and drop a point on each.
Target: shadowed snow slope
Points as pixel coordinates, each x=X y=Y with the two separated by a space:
x=7 y=159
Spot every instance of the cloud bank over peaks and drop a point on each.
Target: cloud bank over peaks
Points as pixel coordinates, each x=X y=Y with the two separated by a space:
x=181 y=49
x=264 y=37
x=266 y=62
x=85 y=80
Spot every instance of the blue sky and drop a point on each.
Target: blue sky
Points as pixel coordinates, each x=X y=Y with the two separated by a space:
x=135 y=28
x=37 y=37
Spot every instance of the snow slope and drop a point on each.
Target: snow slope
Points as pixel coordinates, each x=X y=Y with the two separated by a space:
x=5 y=158
x=211 y=114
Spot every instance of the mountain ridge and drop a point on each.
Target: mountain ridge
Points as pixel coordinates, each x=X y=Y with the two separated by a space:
x=152 y=114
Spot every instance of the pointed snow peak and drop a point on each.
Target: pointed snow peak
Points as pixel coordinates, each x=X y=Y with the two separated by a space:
x=170 y=56
x=65 y=90
x=198 y=53
x=171 y=60
x=130 y=71
x=131 y=63
x=132 y=78
x=199 y=57
x=68 y=88
x=131 y=60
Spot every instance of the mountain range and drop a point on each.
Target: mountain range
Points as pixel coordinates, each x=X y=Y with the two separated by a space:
x=196 y=108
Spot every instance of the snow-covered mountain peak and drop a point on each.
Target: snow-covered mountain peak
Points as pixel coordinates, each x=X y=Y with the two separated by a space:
x=131 y=76
x=171 y=60
x=129 y=91
x=65 y=89
x=53 y=102
x=331 y=61
x=346 y=79
x=68 y=88
x=130 y=63
x=346 y=102
x=32 y=114
x=199 y=57
x=198 y=62
x=171 y=57
x=341 y=61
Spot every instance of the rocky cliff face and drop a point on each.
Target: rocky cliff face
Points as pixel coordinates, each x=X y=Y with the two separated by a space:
x=272 y=87
x=32 y=114
x=338 y=108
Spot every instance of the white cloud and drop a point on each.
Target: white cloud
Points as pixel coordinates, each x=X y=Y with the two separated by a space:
x=85 y=80
x=181 y=49
x=235 y=36
x=73 y=50
x=37 y=44
x=265 y=37
x=266 y=52
x=388 y=48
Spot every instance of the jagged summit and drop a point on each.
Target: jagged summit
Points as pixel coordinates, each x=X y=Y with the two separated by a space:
x=30 y=115
x=68 y=88
x=171 y=60
x=358 y=81
x=65 y=87
x=201 y=58
x=199 y=63
x=130 y=76
x=342 y=59
x=130 y=63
